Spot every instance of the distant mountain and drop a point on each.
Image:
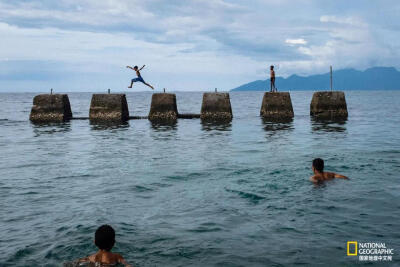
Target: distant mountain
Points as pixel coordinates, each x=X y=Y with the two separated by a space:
x=377 y=78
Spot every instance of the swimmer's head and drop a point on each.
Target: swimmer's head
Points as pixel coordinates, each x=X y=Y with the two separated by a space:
x=318 y=165
x=136 y=68
x=272 y=67
x=104 y=238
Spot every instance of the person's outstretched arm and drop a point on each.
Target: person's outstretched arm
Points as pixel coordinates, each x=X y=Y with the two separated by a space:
x=142 y=67
x=337 y=175
x=129 y=67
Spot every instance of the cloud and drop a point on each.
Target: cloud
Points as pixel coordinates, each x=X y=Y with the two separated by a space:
x=209 y=43
x=351 y=20
x=300 y=41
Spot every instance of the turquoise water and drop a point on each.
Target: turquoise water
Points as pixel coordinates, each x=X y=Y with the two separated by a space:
x=195 y=194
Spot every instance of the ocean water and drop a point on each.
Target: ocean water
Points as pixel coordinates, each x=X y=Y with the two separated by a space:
x=194 y=194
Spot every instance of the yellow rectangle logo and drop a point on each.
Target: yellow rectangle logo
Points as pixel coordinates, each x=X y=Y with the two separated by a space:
x=354 y=253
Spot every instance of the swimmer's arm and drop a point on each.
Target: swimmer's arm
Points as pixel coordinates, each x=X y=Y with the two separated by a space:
x=129 y=67
x=122 y=261
x=142 y=67
x=314 y=180
x=86 y=259
x=339 y=176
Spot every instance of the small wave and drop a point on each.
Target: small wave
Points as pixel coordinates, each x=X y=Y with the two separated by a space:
x=242 y=171
x=254 y=198
x=161 y=184
x=287 y=229
x=185 y=177
x=205 y=228
x=72 y=176
x=139 y=188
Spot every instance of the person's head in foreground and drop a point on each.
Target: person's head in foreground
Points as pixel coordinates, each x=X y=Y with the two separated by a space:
x=104 y=239
x=319 y=174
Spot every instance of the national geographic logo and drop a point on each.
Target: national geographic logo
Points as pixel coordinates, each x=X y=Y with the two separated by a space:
x=352 y=248
x=370 y=251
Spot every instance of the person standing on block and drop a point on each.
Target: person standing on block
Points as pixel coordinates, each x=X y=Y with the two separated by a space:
x=273 y=88
x=139 y=76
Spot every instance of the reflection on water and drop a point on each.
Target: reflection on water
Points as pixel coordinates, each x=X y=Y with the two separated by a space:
x=216 y=125
x=274 y=128
x=166 y=125
x=108 y=125
x=50 y=128
x=328 y=125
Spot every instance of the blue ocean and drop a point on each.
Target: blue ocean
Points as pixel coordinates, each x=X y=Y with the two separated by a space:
x=200 y=194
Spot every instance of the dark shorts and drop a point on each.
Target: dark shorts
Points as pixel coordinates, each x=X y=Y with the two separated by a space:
x=138 y=79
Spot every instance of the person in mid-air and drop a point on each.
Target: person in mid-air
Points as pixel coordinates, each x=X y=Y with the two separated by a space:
x=104 y=239
x=139 y=77
x=272 y=79
x=321 y=176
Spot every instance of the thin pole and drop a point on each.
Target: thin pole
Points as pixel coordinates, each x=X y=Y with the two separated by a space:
x=109 y=90
x=215 y=89
x=51 y=91
x=331 y=80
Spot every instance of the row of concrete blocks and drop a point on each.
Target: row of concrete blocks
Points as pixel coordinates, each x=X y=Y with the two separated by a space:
x=215 y=107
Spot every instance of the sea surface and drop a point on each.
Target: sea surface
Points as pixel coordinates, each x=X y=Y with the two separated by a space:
x=193 y=194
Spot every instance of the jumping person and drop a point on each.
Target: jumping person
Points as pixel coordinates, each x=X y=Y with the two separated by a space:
x=273 y=88
x=104 y=239
x=139 y=77
x=321 y=176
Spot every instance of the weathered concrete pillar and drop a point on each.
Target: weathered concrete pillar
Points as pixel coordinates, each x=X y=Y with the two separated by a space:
x=328 y=105
x=277 y=106
x=163 y=107
x=50 y=108
x=109 y=108
x=216 y=106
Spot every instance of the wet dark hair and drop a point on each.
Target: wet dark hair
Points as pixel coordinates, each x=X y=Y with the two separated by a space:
x=136 y=67
x=318 y=164
x=104 y=238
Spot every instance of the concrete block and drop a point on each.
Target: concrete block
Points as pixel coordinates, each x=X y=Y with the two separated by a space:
x=216 y=106
x=51 y=108
x=328 y=105
x=109 y=108
x=277 y=106
x=163 y=107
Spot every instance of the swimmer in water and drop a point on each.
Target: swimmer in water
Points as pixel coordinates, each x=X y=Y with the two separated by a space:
x=321 y=176
x=104 y=239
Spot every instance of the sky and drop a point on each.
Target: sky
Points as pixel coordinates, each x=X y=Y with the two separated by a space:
x=192 y=45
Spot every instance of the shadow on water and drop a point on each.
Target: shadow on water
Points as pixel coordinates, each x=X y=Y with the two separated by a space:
x=101 y=126
x=216 y=125
x=50 y=128
x=338 y=125
x=277 y=127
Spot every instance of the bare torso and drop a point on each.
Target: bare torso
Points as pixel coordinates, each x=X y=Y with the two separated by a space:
x=104 y=257
x=326 y=176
